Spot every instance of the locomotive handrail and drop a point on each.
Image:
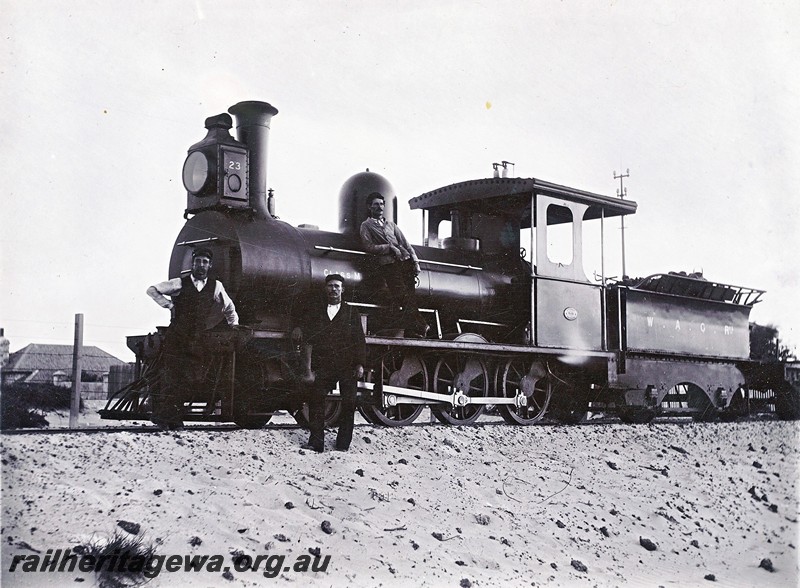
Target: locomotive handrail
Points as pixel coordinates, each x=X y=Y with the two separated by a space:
x=566 y=280
x=443 y=263
x=458 y=265
x=329 y=248
x=473 y=322
x=196 y=241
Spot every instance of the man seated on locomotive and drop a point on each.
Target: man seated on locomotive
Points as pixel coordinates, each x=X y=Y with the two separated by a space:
x=332 y=329
x=395 y=264
x=196 y=304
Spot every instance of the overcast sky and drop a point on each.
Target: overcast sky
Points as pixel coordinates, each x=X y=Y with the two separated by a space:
x=101 y=100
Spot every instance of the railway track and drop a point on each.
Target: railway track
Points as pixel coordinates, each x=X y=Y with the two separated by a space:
x=488 y=422
x=115 y=429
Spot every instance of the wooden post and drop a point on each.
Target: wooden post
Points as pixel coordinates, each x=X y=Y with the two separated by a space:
x=77 y=356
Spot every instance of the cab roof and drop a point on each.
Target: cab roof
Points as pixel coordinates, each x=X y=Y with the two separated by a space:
x=503 y=196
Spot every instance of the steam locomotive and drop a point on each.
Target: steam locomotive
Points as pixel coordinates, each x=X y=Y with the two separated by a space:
x=512 y=332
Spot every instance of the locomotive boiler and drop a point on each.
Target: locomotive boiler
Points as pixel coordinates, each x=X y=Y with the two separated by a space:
x=510 y=327
x=267 y=265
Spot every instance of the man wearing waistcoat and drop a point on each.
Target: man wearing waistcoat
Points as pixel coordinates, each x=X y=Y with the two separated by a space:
x=338 y=352
x=197 y=304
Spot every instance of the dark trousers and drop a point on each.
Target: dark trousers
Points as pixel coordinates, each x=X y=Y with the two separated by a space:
x=185 y=368
x=400 y=285
x=325 y=382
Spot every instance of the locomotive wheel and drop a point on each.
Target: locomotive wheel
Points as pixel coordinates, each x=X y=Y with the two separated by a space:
x=367 y=414
x=333 y=410
x=460 y=372
x=529 y=379
x=243 y=415
x=405 y=371
x=250 y=388
x=255 y=421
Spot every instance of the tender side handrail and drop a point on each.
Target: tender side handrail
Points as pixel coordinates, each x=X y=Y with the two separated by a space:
x=700 y=288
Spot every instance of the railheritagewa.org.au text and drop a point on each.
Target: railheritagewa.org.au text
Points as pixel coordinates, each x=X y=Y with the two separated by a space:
x=151 y=566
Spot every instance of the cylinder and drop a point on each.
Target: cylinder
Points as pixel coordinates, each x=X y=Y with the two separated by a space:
x=252 y=129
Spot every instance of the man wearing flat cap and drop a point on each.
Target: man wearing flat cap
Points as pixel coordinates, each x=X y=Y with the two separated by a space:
x=395 y=264
x=197 y=304
x=338 y=352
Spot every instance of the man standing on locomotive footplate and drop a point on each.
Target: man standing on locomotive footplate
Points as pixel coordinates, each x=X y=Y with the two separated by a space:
x=394 y=265
x=197 y=304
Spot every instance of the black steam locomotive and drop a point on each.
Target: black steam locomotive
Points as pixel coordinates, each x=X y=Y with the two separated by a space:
x=520 y=334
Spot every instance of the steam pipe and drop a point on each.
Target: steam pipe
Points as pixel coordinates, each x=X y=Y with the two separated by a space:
x=252 y=129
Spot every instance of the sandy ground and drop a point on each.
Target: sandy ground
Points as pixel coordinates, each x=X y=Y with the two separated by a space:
x=425 y=505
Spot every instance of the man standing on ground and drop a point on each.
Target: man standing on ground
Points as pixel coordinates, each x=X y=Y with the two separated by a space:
x=338 y=354
x=197 y=304
x=395 y=264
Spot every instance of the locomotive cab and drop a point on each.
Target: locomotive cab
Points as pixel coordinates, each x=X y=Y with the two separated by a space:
x=491 y=217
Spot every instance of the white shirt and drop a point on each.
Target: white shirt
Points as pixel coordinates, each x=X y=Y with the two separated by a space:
x=333 y=309
x=222 y=302
x=199 y=284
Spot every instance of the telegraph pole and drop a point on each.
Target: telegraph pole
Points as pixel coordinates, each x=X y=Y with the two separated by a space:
x=622 y=192
x=77 y=360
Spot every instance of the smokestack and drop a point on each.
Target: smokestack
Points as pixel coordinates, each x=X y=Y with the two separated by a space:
x=252 y=129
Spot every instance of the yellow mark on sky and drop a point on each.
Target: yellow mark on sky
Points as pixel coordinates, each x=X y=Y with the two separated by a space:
x=488 y=105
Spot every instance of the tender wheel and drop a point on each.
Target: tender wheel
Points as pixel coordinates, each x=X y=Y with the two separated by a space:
x=569 y=405
x=737 y=408
x=689 y=395
x=787 y=402
x=637 y=416
x=333 y=410
x=530 y=380
x=459 y=372
x=704 y=409
x=707 y=414
x=405 y=371
x=569 y=416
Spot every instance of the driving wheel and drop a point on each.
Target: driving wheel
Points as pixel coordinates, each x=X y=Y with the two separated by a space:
x=529 y=380
x=404 y=370
x=456 y=372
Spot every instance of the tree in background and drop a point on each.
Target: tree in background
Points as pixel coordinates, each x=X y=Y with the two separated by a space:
x=91 y=376
x=765 y=344
x=25 y=405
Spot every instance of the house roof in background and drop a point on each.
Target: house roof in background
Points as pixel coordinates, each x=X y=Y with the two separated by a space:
x=40 y=361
